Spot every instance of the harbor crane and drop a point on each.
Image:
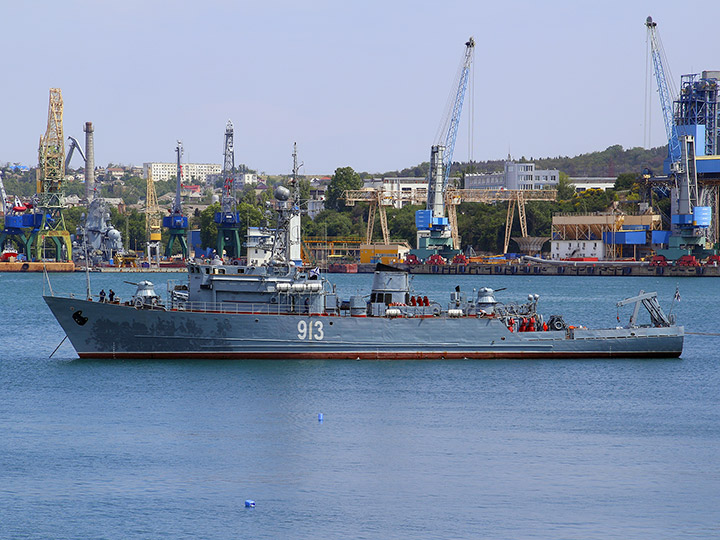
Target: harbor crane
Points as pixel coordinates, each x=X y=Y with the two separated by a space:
x=50 y=195
x=176 y=222
x=667 y=96
x=74 y=145
x=437 y=233
x=434 y=235
x=691 y=222
x=228 y=219
x=152 y=222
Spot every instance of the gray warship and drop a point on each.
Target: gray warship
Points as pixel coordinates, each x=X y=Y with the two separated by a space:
x=279 y=310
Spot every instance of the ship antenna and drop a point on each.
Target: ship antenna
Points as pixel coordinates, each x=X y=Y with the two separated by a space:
x=294 y=181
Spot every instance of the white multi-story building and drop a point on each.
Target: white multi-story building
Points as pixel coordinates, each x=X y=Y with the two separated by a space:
x=514 y=176
x=191 y=172
x=402 y=190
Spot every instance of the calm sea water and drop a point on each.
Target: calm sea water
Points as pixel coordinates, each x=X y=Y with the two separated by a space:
x=566 y=449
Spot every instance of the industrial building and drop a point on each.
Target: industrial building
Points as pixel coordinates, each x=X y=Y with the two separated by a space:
x=393 y=253
x=606 y=236
x=697 y=115
x=514 y=176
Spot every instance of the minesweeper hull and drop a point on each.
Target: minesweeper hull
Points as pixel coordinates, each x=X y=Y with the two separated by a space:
x=114 y=331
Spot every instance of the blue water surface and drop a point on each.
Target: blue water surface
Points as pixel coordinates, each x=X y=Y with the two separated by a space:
x=567 y=449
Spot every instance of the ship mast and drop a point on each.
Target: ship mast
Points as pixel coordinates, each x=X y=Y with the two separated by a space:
x=288 y=205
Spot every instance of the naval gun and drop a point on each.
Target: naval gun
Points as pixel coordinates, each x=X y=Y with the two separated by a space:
x=145 y=295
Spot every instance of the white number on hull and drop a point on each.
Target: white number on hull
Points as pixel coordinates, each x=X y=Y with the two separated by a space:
x=310 y=330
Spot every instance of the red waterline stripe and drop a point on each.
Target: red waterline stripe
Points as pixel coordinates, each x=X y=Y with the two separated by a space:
x=373 y=355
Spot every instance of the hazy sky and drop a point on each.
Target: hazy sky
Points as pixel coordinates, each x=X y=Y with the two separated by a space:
x=360 y=84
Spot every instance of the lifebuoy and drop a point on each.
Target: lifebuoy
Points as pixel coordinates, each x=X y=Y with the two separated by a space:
x=139 y=303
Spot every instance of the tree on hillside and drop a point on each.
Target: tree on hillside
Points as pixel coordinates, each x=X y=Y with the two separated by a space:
x=625 y=181
x=208 y=227
x=343 y=179
x=565 y=189
x=330 y=223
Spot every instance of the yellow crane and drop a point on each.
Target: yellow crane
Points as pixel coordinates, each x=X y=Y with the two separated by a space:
x=453 y=197
x=152 y=221
x=378 y=200
x=50 y=197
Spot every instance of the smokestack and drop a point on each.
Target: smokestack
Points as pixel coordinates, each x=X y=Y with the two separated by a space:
x=89 y=162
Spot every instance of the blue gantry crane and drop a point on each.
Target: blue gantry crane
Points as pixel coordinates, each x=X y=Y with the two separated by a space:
x=176 y=222
x=228 y=219
x=434 y=233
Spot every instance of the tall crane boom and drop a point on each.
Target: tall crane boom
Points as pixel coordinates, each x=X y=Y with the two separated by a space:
x=228 y=198
x=177 y=204
x=441 y=153
x=176 y=221
x=451 y=122
x=666 y=98
x=50 y=196
x=3 y=196
x=152 y=222
x=52 y=148
x=152 y=211
x=74 y=144
x=434 y=235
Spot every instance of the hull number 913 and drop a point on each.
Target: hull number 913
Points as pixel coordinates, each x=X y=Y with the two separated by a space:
x=312 y=330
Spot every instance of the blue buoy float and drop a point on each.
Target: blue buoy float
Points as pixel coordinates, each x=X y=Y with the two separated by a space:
x=320 y=417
